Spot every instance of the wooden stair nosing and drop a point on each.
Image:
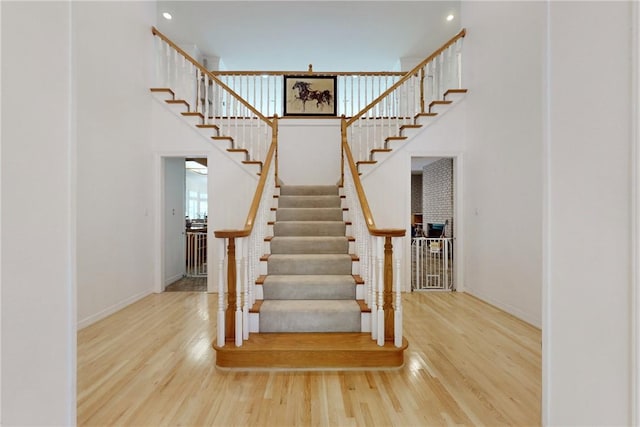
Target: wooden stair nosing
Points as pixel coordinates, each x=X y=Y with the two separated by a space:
x=222 y=138
x=381 y=150
x=363 y=306
x=193 y=114
x=366 y=162
x=256 y=306
x=359 y=280
x=208 y=126
x=310 y=351
x=164 y=89
x=417 y=116
x=178 y=101
x=438 y=102
x=450 y=91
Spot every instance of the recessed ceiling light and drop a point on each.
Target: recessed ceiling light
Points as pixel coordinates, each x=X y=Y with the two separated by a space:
x=167 y=15
x=450 y=18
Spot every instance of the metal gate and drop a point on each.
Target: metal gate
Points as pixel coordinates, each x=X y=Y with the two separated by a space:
x=196 y=254
x=431 y=263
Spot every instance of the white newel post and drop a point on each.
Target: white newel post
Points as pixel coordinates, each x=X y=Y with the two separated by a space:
x=397 y=288
x=222 y=249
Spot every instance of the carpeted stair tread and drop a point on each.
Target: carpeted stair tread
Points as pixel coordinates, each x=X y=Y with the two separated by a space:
x=308 y=190
x=309 y=201
x=310 y=316
x=309 y=245
x=325 y=264
x=309 y=214
x=320 y=287
x=309 y=228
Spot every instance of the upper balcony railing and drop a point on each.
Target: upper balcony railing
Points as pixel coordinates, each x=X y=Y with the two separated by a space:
x=265 y=89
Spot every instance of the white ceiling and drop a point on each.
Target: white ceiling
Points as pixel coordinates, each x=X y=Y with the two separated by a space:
x=332 y=35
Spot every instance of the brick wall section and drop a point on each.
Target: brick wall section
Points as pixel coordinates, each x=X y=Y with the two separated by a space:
x=416 y=193
x=437 y=194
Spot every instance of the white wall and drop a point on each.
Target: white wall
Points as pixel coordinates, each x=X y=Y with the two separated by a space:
x=114 y=65
x=174 y=221
x=38 y=277
x=503 y=66
x=586 y=343
x=309 y=151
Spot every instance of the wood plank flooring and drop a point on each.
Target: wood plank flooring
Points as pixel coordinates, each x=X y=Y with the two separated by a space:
x=152 y=364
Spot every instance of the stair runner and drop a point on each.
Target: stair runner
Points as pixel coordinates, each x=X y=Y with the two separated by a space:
x=309 y=285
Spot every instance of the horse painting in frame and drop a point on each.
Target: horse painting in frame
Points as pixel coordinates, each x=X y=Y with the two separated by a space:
x=310 y=95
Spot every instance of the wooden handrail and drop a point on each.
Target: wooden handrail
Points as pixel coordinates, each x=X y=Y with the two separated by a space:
x=408 y=75
x=364 y=204
x=255 y=204
x=155 y=32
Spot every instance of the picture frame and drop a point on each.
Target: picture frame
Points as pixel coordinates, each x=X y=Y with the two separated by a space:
x=306 y=95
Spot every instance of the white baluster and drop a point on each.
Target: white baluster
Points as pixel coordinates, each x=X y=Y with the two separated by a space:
x=247 y=291
x=374 y=289
x=222 y=249
x=239 y=271
x=459 y=61
x=380 y=283
x=397 y=316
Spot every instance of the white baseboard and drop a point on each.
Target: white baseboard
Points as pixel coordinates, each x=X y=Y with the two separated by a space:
x=170 y=280
x=112 y=309
x=525 y=317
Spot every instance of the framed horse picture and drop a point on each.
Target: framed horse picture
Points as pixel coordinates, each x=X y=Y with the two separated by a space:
x=306 y=95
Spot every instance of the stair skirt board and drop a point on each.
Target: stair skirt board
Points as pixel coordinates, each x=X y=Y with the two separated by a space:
x=311 y=351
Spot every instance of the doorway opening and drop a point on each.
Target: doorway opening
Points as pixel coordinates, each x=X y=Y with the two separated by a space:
x=432 y=223
x=185 y=214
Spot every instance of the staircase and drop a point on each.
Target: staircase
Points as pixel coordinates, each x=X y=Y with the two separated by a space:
x=309 y=286
x=309 y=315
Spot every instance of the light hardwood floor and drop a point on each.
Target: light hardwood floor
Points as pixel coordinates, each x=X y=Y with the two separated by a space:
x=152 y=364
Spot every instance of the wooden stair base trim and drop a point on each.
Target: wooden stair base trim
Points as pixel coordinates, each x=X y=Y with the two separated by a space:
x=349 y=350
